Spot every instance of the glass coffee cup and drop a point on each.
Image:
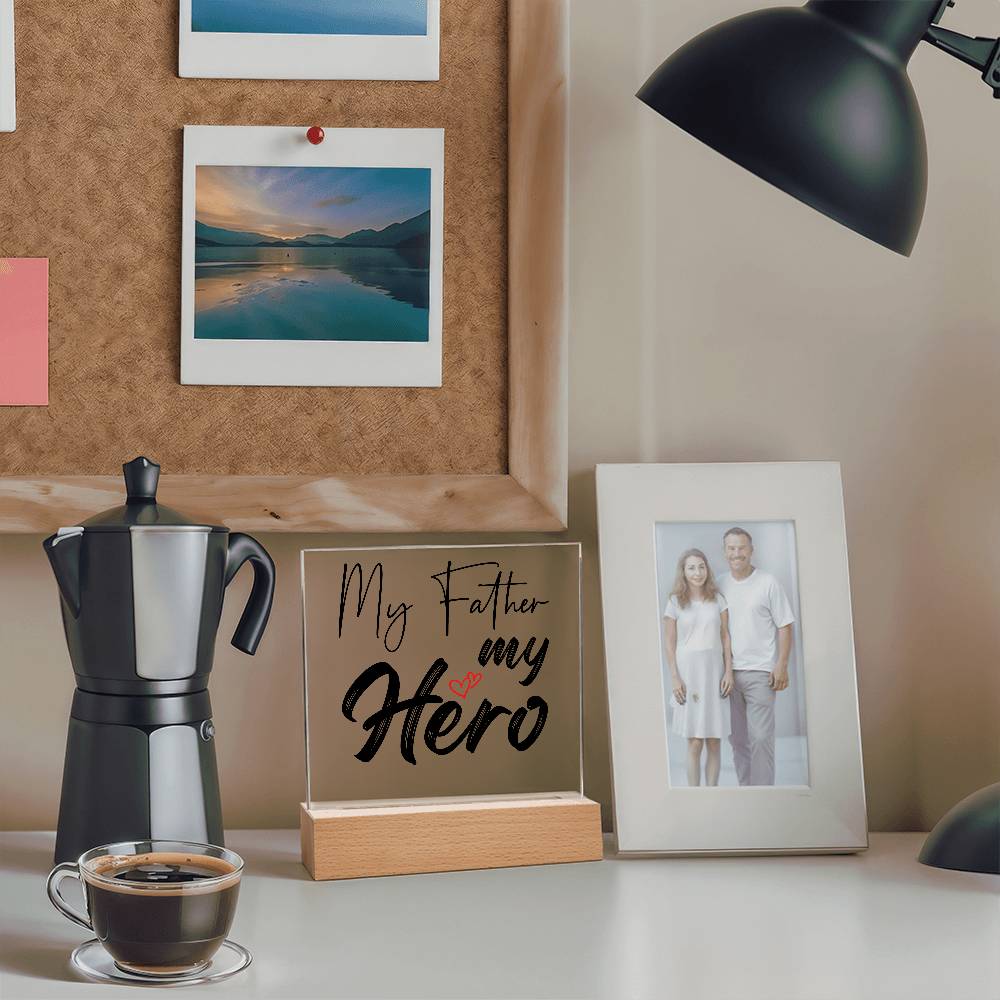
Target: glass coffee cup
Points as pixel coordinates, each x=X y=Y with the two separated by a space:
x=160 y=908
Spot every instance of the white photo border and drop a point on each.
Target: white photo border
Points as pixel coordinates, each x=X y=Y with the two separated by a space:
x=651 y=817
x=312 y=363
x=268 y=56
x=8 y=107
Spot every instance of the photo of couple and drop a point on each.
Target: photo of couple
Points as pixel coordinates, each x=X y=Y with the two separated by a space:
x=731 y=654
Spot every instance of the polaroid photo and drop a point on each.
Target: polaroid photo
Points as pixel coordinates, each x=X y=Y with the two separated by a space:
x=312 y=265
x=310 y=39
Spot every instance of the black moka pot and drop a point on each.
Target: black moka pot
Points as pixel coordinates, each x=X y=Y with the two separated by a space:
x=142 y=588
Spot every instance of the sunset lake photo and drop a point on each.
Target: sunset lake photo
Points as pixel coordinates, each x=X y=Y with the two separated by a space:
x=312 y=253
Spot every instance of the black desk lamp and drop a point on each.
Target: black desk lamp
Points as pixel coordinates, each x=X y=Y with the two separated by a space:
x=816 y=101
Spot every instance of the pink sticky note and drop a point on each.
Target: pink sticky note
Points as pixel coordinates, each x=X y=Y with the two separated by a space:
x=24 y=331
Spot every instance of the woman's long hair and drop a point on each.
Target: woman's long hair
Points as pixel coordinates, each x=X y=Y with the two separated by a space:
x=682 y=589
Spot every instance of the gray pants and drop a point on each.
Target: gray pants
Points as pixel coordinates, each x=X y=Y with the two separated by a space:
x=751 y=711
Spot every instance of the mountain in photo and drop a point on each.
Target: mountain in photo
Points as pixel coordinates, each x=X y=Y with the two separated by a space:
x=413 y=234
x=398 y=234
x=212 y=236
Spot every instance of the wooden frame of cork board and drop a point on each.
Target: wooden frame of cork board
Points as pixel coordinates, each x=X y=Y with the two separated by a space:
x=488 y=453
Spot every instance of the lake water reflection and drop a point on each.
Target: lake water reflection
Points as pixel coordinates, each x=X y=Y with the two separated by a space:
x=311 y=293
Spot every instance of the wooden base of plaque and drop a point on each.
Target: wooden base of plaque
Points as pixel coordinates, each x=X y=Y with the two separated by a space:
x=407 y=836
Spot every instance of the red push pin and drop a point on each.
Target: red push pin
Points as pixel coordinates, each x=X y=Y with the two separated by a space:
x=315 y=135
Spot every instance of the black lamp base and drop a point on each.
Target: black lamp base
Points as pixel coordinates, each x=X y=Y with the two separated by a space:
x=967 y=839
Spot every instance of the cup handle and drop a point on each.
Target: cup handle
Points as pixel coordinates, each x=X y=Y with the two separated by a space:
x=66 y=870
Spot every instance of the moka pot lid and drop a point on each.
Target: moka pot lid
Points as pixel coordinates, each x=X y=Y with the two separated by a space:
x=140 y=509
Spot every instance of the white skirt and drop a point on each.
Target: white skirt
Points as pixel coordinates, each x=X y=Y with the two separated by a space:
x=705 y=715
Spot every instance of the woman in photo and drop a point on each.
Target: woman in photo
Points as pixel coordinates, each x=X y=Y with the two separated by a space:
x=700 y=658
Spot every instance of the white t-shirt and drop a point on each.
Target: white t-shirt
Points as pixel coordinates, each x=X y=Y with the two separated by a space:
x=698 y=625
x=758 y=607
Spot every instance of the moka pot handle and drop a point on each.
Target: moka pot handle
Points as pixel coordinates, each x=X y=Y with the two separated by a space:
x=254 y=618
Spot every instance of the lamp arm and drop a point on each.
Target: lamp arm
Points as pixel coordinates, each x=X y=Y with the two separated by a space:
x=981 y=53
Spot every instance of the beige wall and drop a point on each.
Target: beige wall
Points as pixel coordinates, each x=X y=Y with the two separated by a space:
x=714 y=319
x=717 y=319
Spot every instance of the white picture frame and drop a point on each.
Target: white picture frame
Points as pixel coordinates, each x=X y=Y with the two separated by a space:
x=273 y=56
x=8 y=111
x=652 y=816
x=312 y=362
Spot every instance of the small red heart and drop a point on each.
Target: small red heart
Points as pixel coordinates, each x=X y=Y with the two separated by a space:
x=465 y=685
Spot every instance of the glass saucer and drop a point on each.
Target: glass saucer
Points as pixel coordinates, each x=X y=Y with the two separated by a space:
x=94 y=962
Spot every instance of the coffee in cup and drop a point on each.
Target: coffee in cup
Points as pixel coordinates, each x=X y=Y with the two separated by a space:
x=159 y=908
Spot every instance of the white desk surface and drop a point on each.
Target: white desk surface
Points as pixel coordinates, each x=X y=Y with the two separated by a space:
x=875 y=925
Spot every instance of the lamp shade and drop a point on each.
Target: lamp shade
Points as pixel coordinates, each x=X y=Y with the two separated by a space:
x=967 y=838
x=816 y=101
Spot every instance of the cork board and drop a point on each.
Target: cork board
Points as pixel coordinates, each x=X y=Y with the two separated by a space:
x=91 y=179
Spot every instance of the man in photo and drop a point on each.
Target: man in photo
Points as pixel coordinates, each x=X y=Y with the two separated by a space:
x=760 y=627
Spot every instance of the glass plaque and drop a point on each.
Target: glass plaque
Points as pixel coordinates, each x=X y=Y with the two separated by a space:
x=440 y=671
